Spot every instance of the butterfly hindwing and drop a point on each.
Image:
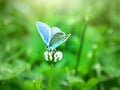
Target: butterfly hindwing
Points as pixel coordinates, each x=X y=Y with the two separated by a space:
x=54 y=30
x=44 y=31
x=58 y=39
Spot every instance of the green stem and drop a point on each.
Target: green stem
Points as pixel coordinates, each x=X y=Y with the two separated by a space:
x=80 y=49
x=50 y=77
x=100 y=85
x=70 y=87
x=34 y=82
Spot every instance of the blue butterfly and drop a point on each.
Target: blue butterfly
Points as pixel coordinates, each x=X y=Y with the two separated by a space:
x=53 y=37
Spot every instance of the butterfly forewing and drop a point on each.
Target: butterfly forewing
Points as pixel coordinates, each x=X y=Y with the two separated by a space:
x=44 y=31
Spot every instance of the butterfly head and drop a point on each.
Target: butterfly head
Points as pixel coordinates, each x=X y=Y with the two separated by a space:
x=47 y=47
x=50 y=48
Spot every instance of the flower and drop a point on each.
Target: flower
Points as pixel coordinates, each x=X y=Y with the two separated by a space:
x=53 y=56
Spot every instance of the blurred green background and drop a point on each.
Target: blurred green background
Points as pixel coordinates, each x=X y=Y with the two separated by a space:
x=93 y=50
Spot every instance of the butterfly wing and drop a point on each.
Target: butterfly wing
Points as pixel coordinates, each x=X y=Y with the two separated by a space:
x=54 y=30
x=44 y=31
x=58 y=39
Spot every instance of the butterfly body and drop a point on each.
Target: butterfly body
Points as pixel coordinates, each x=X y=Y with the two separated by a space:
x=53 y=37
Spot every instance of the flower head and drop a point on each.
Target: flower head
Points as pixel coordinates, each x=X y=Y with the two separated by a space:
x=53 y=55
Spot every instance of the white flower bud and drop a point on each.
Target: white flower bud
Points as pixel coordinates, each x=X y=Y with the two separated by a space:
x=95 y=46
x=60 y=55
x=46 y=53
x=50 y=56
x=90 y=54
x=98 y=66
x=57 y=56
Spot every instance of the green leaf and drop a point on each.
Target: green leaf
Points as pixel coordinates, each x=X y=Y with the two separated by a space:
x=75 y=81
x=10 y=70
x=112 y=71
x=91 y=83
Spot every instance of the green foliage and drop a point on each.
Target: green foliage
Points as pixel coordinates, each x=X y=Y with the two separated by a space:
x=10 y=70
x=22 y=63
